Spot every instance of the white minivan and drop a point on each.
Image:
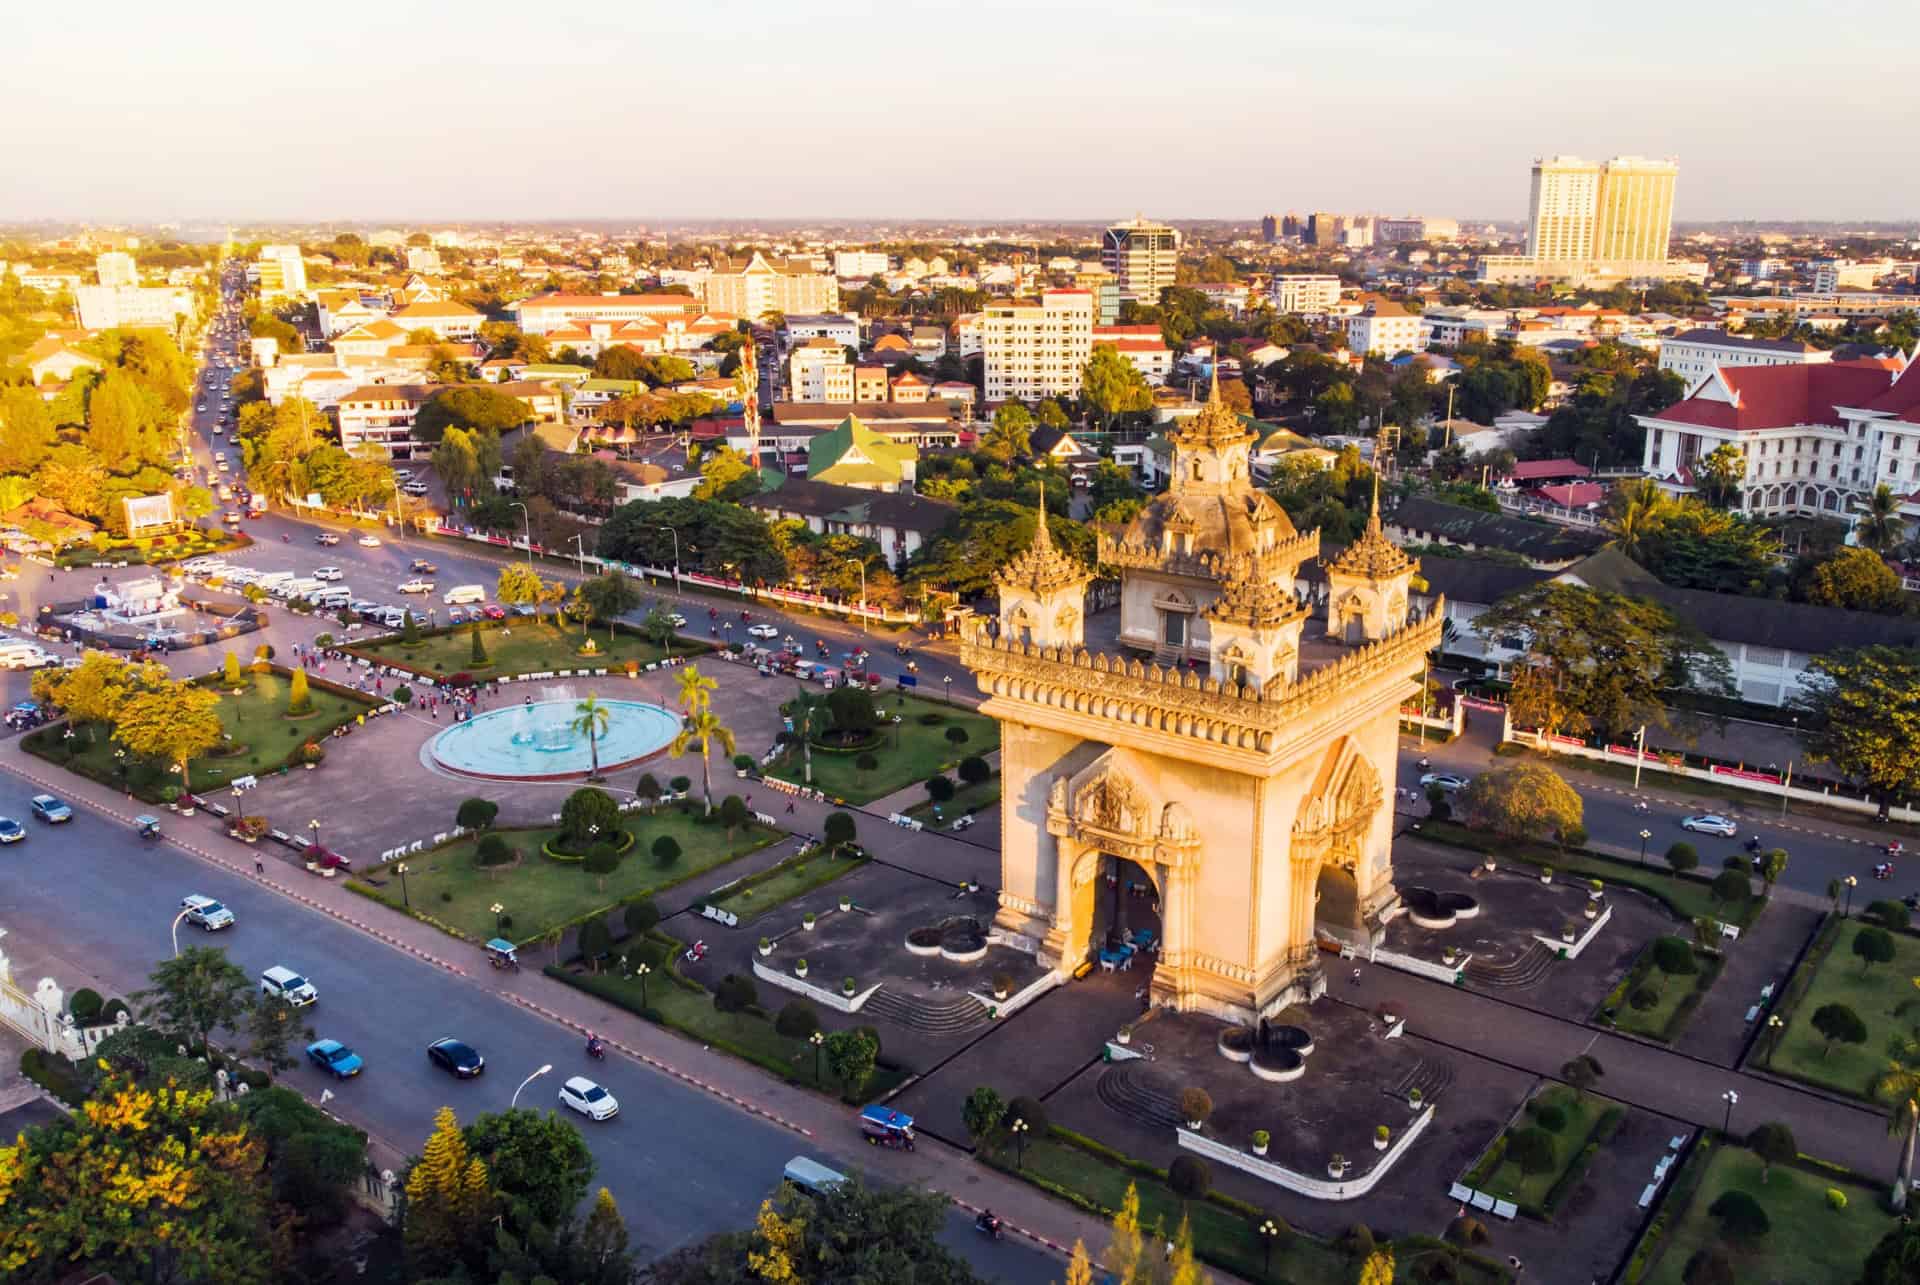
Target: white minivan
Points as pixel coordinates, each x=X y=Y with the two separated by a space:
x=464 y=593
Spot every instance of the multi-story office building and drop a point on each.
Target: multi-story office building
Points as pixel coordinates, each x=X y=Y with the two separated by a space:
x=1142 y=256
x=1303 y=292
x=1325 y=229
x=1562 y=208
x=1105 y=289
x=1695 y=355
x=1033 y=349
x=117 y=268
x=1596 y=222
x=763 y=285
x=1270 y=228
x=282 y=271
x=848 y=264
x=104 y=307
x=1634 y=216
x=1414 y=227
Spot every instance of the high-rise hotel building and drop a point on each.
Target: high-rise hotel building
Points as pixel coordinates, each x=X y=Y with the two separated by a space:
x=1595 y=222
x=1142 y=256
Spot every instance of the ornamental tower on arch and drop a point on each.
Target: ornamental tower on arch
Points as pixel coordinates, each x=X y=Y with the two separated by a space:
x=1234 y=769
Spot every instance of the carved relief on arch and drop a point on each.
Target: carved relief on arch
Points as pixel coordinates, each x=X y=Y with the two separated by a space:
x=1338 y=809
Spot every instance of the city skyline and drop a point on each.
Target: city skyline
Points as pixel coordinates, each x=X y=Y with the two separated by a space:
x=653 y=117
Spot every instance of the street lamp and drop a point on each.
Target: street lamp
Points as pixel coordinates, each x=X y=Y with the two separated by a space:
x=176 y=933
x=816 y=1039
x=314 y=825
x=580 y=554
x=524 y=1083
x=948 y=680
x=401 y=870
x=526 y=518
x=1774 y=1028
x=1018 y=1128
x=1268 y=1233
x=1732 y=1099
x=1850 y=881
x=676 y=554
x=497 y=910
x=640 y=971
x=1644 y=836
x=863 y=592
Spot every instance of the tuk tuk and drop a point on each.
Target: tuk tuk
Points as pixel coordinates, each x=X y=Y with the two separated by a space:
x=147 y=827
x=885 y=1127
x=500 y=954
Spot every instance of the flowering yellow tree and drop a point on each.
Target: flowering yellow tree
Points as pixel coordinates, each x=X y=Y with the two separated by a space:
x=448 y=1198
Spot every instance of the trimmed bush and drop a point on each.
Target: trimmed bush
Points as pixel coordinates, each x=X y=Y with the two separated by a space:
x=1740 y=1216
x=1888 y=914
x=1533 y=1150
x=1551 y=1117
x=1189 y=1176
x=735 y=993
x=1708 y=1266
x=1356 y=1241
x=797 y=1020
x=1195 y=1104
x=85 y=1005
x=1836 y=1199
x=1674 y=956
x=1644 y=997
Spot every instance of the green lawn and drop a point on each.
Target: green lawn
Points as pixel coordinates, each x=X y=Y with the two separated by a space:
x=541 y=893
x=257 y=721
x=966 y=798
x=1663 y=1021
x=1222 y=1235
x=1874 y=993
x=909 y=751
x=786 y=881
x=1808 y=1242
x=520 y=646
x=1529 y=1190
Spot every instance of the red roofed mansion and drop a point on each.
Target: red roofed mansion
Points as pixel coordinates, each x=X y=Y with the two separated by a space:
x=1817 y=438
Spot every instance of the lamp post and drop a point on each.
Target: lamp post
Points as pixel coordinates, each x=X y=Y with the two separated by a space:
x=524 y=1083
x=497 y=909
x=948 y=681
x=640 y=971
x=176 y=933
x=1732 y=1099
x=1774 y=1028
x=1644 y=836
x=676 y=554
x=401 y=870
x=816 y=1039
x=1268 y=1233
x=1850 y=881
x=1018 y=1128
x=863 y=592
x=527 y=519
x=579 y=554
x=314 y=825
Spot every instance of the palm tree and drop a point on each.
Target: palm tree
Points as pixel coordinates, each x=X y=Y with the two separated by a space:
x=1899 y=1088
x=695 y=688
x=1639 y=506
x=1879 y=528
x=704 y=728
x=591 y=717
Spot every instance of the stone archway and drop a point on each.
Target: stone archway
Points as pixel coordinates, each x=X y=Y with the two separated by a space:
x=1337 y=883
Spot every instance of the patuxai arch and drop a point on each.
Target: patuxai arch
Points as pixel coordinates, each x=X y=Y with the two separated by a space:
x=1232 y=772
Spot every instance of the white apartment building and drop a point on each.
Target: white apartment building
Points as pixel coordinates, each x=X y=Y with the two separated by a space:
x=1305 y=293
x=1816 y=438
x=1144 y=346
x=1031 y=350
x=381 y=415
x=763 y=285
x=104 y=307
x=1451 y=327
x=842 y=330
x=861 y=264
x=547 y=312
x=1142 y=256
x=818 y=371
x=116 y=268
x=448 y=320
x=282 y=271
x=1385 y=329
x=1695 y=355
x=1831 y=275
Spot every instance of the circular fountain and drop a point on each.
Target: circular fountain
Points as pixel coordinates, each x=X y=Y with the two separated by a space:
x=537 y=741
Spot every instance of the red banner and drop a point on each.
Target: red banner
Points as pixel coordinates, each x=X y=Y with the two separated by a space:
x=1768 y=778
x=1627 y=752
x=1474 y=702
x=1572 y=741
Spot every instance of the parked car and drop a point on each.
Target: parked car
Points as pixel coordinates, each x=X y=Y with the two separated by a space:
x=456 y=1057
x=206 y=913
x=285 y=984
x=589 y=1099
x=1711 y=823
x=50 y=809
x=493 y=611
x=335 y=1058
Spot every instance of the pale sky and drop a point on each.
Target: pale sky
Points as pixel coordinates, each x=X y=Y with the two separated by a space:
x=988 y=109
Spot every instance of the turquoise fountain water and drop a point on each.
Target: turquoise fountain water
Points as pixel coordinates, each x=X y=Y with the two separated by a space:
x=537 y=741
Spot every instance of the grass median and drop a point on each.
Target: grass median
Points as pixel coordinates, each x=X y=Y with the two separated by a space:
x=905 y=753
x=520 y=645
x=1881 y=994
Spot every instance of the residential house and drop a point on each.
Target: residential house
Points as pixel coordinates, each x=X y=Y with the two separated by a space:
x=869 y=383
x=1143 y=346
x=448 y=320
x=854 y=455
x=818 y=371
x=1384 y=328
x=929 y=343
x=843 y=331
x=955 y=390
x=370 y=341
x=52 y=359
x=591 y=396
x=899 y=522
x=382 y=415
x=909 y=389
x=339 y=311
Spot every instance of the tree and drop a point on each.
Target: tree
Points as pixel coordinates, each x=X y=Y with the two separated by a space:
x=1125 y=1257
x=174 y=722
x=610 y=596
x=1740 y=1216
x=92 y=693
x=449 y=1199
x=154 y=1184
x=1889 y=914
x=1837 y=1023
x=736 y=993
x=469 y=406
x=702 y=727
x=193 y=994
x=1895 y=1260
x=476 y=813
x=1694 y=546
x=974 y=770
x=1731 y=887
x=1674 y=956
x=940 y=789
x=533 y=1158
x=1582 y=1072
x=1114 y=386
x=726 y=475
x=1533 y=1149
x=796 y=1020
x=1603 y=661
x=519 y=584
x=409 y=629
x=1682 y=857
x=839 y=830
x=267 y=1027
x=229 y=670
x=1873 y=946
x=1522 y=801
x=1853 y=578
x=983 y=1114
x=493 y=852
x=1719 y=473
x=591 y=717
x=1079 y=1266
x=603 y=858
x=1189 y=1177
x=299 y=702
x=1898 y=1088
x=478 y=655
x=850 y=1233
x=864 y=764
x=850 y=1056
x=1773 y=865
x=1378 y=1269
x=696 y=689
x=666 y=850
x=1773 y=1143
x=587 y=813
x=733 y=813
x=1007 y=437
x=1860 y=712
x=648 y=788
x=1880 y=527
x=1708 y=1265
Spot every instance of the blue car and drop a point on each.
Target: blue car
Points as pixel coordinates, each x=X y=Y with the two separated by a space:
x=11 y=831
x=335 y=1058
x=50 y=809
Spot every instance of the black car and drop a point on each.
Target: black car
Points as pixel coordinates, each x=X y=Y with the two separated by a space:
x=460 y=1059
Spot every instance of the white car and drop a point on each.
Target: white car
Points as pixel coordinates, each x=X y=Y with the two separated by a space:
x=1709 y=823
x=368 y=542
x=679 y=621
x=415 y=488
x=417 y=586
x=589 y=1099
x=1448 y=781
x=285 y=984
x=328 y=573
x=763 y=631
x=206 y=912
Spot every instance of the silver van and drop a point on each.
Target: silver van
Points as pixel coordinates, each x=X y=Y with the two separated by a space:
x=811 y=1175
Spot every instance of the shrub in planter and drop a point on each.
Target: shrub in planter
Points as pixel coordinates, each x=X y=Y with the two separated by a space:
x=85 y=1005
x=1415 y=1097
x=800 y=968
x=743 y=763
x=1546 y=874
x=766 y=945
x=807 y=921
x=1261 y=1140
x=1380 y=1134
x=1002 y=985
x=847 y=986
x=1195 y=1105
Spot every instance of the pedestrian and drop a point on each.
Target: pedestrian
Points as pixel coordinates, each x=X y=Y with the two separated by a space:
x=259 y=866
x=1356 y=977
x=789 y=808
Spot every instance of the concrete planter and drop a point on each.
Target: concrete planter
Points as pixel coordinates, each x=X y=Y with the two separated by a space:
x=800 y=969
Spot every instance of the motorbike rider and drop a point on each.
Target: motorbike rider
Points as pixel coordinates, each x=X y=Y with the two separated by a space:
x=594 y=1045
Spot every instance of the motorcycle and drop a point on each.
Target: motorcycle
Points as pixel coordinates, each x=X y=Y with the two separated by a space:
x=1753 y=844
x=989 y=1224
x=596 y=1050
x=1884 y=870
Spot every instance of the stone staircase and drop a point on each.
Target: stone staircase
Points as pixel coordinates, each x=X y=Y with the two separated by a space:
x=1527 y=971
x=1138 y=1093
x=931 y=1017
x=1429 y=1076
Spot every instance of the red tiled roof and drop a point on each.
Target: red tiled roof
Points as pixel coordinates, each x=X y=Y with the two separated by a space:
x=1782 y=396
x=1573 y=495
x=1133 y=345
x=1538 y=470
x=1902 y=398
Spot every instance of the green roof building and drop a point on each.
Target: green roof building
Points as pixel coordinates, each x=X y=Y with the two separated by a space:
x=852 y=454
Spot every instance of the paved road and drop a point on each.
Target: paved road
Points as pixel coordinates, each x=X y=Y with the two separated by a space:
x=681 y=1163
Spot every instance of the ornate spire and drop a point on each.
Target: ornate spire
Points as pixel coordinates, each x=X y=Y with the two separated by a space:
x=1373 y=556
x=1217 y=424
x=1257 y=603
x=1041 y=568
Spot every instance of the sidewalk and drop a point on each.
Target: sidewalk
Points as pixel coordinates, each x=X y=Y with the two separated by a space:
x=910 y=795
x=1763 y=956
x=818 y=1123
